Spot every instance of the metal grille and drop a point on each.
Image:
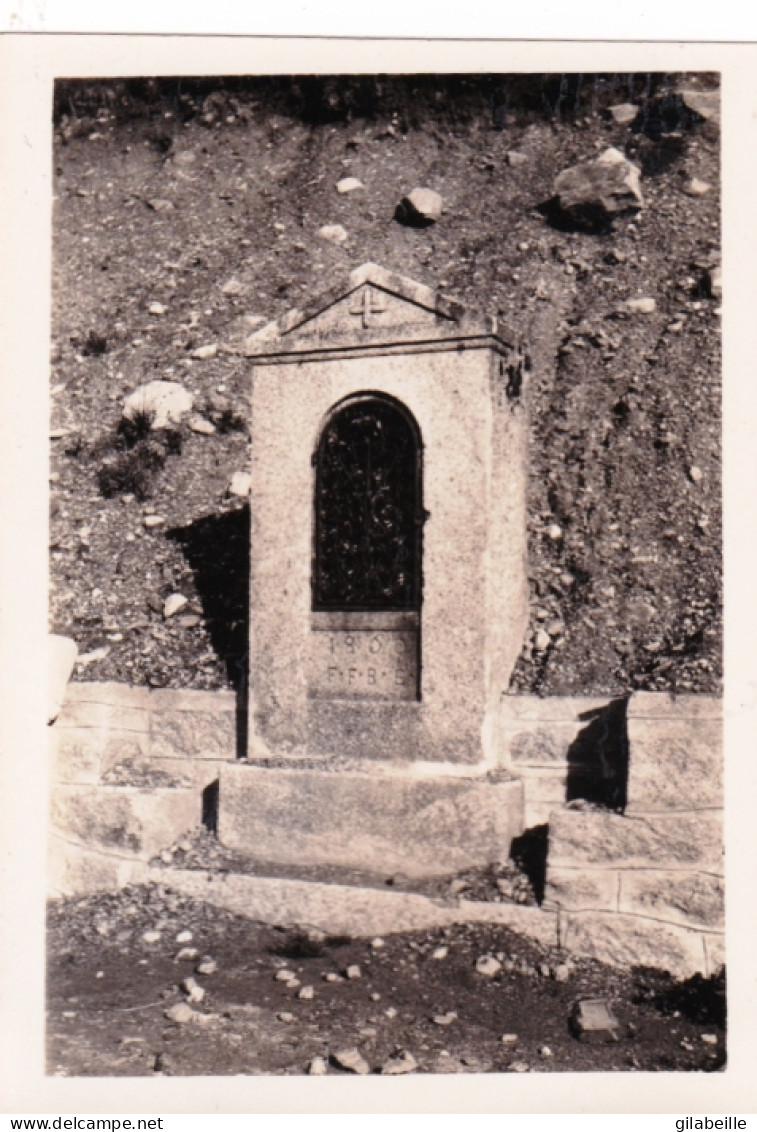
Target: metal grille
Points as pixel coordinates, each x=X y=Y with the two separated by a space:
x=368 y=512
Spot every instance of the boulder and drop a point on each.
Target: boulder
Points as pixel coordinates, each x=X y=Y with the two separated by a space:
x=165 y=402
x=421 y=206
x=593 y=193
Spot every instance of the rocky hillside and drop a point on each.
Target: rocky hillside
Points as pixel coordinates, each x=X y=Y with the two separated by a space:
x=188 y=212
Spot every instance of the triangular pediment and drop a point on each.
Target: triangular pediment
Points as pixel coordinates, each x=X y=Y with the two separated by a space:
x=373 y=304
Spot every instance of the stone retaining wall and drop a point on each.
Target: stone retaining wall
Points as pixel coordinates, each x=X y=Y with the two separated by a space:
x=646 y=886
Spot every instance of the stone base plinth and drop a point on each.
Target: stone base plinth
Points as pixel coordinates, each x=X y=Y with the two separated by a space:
x=382 y=823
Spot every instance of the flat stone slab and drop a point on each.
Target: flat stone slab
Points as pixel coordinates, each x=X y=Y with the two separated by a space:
x=382 y=823
x=594 y=1021
x=124 y=820
x=685 y=841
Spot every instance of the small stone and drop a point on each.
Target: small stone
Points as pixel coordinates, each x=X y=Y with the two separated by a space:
x=166 y=856
x=561 y=973
x=186 y=953
x=152 y=521
x=709 y=1039
x=440 y=953
x=445 y=1019
x=422 y=205
x=203 y=353
x=509 y=1039
x=555 y=627
x=185 y=157
x=593 y=1020
x=232 y=287
x=285 y=1016
x=644 y=305
x=391 y=1012
x=181 y=1013
x=405 y=1063
x=334 y=233
x=188 y=621
x=184 y=936
x=375 y=997
x=285 y=975
x=353 y=972
x=151 y=936
x=377 y=943
x=349 y=185
x=542 y=640
x=518 y=1067
x=159 y=205
x=206 y=966
x=332 y=977
x=293 y=984
x=706 y=103
x=696 y=475
x=489 y=966
x=352 y=1060
x=157 y=308
x=555 y=532
x=173 y=605
x=514 y=158
x=545 y=1051
x=191 y=989
x=240 y=484
x=202 y=426
x=715 y=281
x=545 y=970
x=624 y=113
x=318 y=1067
x=306 y=993
x=696 y=188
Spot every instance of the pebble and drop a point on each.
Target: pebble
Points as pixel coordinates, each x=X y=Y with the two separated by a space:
x=151 y=936
x=318 y=1067
x=285 y=975
x=188 y=621
x=545 y=970
x=561 y=973
x=509 y=1039
x=193 y=992
x=377 y=943
x=624 y=113
x=334 y=233
x=445 y=1019
x=423 y=204
x=207 y=966
x=352 y=1060
x=184 y=937
x=153 y=521
x=173 y=604
x=555 y=532
x=181 y=1013
x=293 y=984
x=514 y=158
x=157 y=308
x=555 y=627
x=518 y=1067
x=349 y=185
x=545 y=1051
x=542 y=640
x=353 y=972
x=203 y=353
x=696 y=188
x=306 y=993
x=405 y=1063
x=332 y=977
x=375 y=997
x=232 y=287
x=285 y=1016
x=202 y=426
x=709 y=1039
x=644 y=305
x=440 y=953
x=696 y=474
x=489 y=966
x=391 y=1012
x=240 y=484
x=186 y=953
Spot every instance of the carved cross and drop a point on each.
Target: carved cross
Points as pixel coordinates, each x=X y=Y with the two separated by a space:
x=367 y=305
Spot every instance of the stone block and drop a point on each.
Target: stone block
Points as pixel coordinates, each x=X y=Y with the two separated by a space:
x=76 y=871
x=109 y=693
x=633 y=941
x=579 y=889
x=123 y=820
x=194 y=734
x=542 y=787
x=666 y=707
x=189 y=700
x=693 y=899
x=674 y=763
x=104 y=716
x=597 y=837
x=381 y=823
x=83 y=754
x=539 y=744
x=575 y=710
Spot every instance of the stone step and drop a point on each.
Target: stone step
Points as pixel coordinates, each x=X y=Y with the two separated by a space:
x=124 y=820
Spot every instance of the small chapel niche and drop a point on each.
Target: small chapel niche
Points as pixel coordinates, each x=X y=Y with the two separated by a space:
x=367 y=553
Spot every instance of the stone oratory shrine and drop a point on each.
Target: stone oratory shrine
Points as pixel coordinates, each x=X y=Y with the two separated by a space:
x=388 y=604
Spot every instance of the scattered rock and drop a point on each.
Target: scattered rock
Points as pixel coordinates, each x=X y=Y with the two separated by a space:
x=445 y=1019
x=440 y=953
x=203 y=353
x=405 y=1063
x=542 y=640
x=157 y=204
x=705 y=103
x=186 y=953
x=349 y=185
x=285 y=1016
x=203 y=426
x=185 y=157
x=514 y=158
x=509 y=1039
x=318 y=1067
x=157 y=308
x=421 y=206
x=334 y=233
x=709 y=1039
x=592 y=1020
x=151 y=936
x=353 y=972
x=696 y=188
x=306 y=993
x=489 y=966
x=352 y=1060
x=192 y=990
x=206 y=966
x=715 y=281
x=173 y=605
x=181 y=1013
x=165 y=402
x=151 y=521
x=595 y=192
x=644 y=305
x=285 y=975
x=377 y=943
x=518 y=1067
x=240 y=484
x=555 y=532
x=561 y=973
x=232 y=287
x=696 y=475
x=545 y=1051
x=188 y=621
x=624 y=113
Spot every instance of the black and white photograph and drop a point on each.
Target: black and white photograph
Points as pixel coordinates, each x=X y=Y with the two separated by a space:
x=385 y=576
